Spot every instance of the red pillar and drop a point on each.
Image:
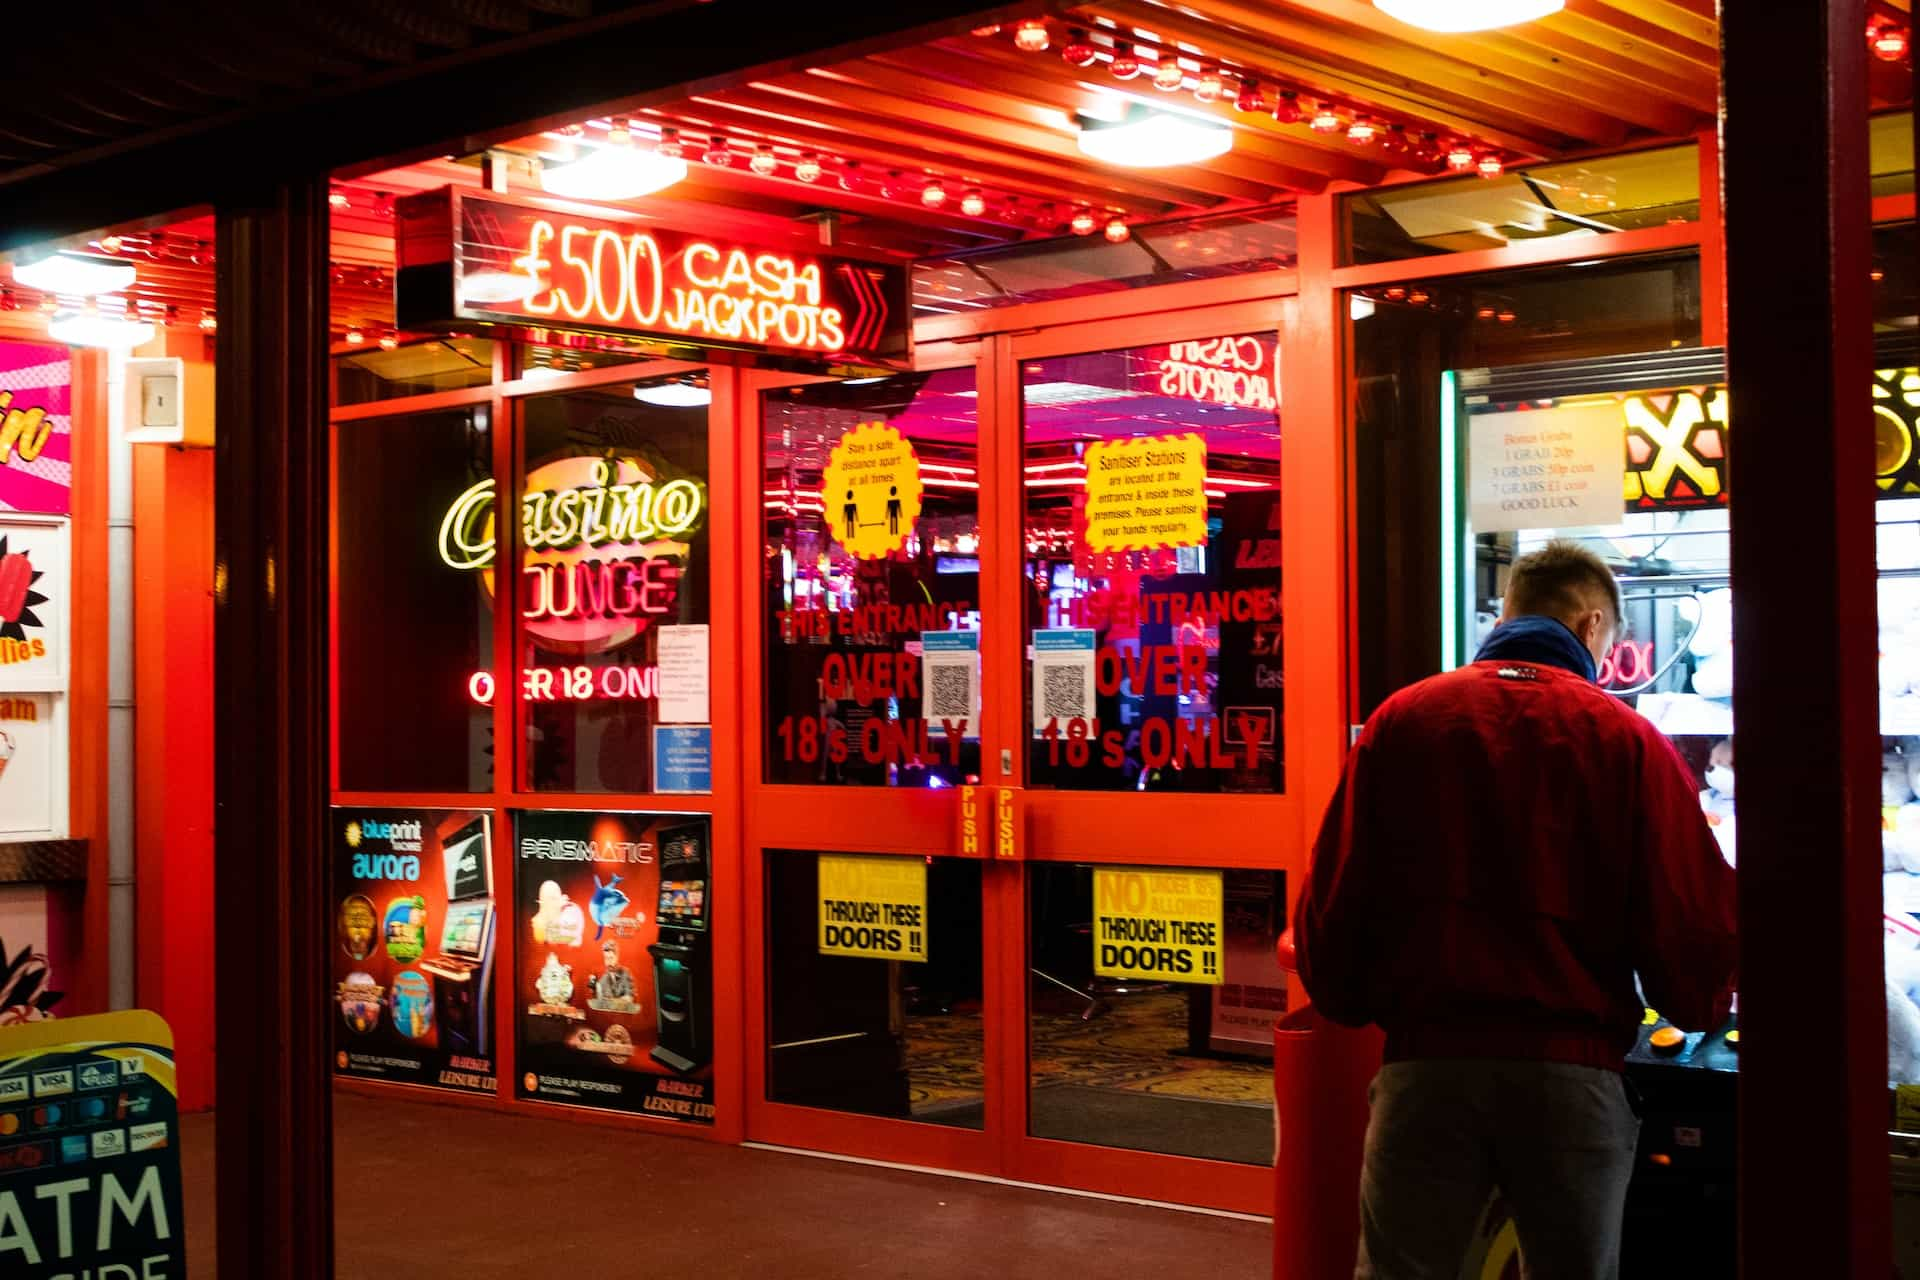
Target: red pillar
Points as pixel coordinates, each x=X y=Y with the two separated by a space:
x=1814 y=1193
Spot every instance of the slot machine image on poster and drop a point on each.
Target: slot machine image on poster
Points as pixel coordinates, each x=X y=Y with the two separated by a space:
x=614 y=972
x=413 y=946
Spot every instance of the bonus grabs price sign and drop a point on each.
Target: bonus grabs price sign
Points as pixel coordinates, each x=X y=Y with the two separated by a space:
x=1157 y=923
x=873 y=906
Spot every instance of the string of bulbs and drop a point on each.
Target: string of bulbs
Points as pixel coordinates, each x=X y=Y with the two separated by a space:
x=1172 y=70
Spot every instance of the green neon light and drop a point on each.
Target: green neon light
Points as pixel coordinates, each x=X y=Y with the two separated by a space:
x=1450 y=621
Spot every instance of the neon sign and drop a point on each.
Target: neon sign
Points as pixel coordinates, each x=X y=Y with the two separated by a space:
x=465 y=257
x=603 y=547
x=572 y=684
x=1236 y=372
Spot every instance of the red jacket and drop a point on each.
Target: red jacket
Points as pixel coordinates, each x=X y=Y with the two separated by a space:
x=1508 y=847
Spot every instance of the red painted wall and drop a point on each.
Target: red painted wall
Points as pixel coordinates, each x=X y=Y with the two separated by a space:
x=173 y=749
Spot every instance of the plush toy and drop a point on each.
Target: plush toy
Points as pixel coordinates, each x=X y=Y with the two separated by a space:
x=1903 y=1013
x=1716 y=801
x=1899 y=809
x=1712 y=646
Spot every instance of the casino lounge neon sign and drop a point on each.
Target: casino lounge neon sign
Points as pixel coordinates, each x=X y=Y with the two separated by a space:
x=599 y=276
x=1235 y=372
x=602 y=540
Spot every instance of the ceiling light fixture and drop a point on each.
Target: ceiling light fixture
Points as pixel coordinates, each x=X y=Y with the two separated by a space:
x=1118 y=231
x=497 y=286
x=674 y=395
x=1031 y=36
x=1169 y=74
x=1079 y=50
x=1143 y=138
x=621 y=170
x=718 y=153
x=808 y=170
x=1210 y=86
x=1467 y=15
x=764 y=162
x=74 y=275
x=1460 y=157
x=1325 y=120
x=973 y=204
x=933 y=195
x=1083 y=222
x=91 y=329
x=1126 y=62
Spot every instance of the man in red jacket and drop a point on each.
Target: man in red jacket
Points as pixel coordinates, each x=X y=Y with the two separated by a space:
x=1508 y=848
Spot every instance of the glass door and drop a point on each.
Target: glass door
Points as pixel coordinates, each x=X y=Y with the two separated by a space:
x=1146 y=694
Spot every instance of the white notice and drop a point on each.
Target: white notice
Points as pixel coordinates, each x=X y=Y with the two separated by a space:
x=685 y=680
x=1547 y=468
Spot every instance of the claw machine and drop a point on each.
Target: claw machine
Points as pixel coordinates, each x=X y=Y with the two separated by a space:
x=1628 y=455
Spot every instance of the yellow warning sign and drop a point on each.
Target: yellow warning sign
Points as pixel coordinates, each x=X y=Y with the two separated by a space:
x=1161 y=923
x=873 y=906
x=1147 y=494
x=871 y=490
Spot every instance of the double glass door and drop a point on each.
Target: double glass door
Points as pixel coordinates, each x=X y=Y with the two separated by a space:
x=1020 y=830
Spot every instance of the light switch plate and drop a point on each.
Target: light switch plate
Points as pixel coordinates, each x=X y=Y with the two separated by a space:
x=160 y=400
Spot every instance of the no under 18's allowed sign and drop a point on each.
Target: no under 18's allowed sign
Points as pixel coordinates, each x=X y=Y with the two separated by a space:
x=90 y=1150
x=1158 y=923
x=873 y=906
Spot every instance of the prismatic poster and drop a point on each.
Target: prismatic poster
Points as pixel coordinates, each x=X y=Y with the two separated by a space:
x=613 y=989
x=413 y=947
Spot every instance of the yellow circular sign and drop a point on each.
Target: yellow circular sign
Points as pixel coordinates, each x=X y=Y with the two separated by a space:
x=871 y=490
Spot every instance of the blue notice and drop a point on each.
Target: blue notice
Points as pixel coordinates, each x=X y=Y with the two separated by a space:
x=682 y=759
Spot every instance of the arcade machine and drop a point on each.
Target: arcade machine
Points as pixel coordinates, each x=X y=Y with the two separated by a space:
x=682 y=961
x=463 y=970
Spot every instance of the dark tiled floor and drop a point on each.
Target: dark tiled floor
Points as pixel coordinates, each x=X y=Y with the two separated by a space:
x=434 y=1191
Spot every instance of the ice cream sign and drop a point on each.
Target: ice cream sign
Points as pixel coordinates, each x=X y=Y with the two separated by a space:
x=604 y=540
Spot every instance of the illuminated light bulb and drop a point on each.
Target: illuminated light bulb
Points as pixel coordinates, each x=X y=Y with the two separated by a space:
x=1118 y=231
x=110 y=244
x=1460 y=157
x=1429 y=148
x=1394 y=140
x=1325 y=120
x=1877 y=275
x=338 y=200
x=1144 y=138
x=618 y=171
x=1031 y=36
x=1083 y=222
x=1395 y=293
x=764 y=162
x=1484 y=313
x=389 y=341
x=973 y=204
x=1467 y=15
x=208 y=322
x=1419 y=297
x=1890 y=44
x=850 y=175
x=1490 y=165
x=933 y=195
x=1286 y=107
x=718 y=153
x=670 y=144
x=355 y=337
x=987 y=32
x=1169 y=75
x=1249 y=98
x=1506 y=317
x=1362 y=132
x=1211 y=86
x=75 y=275
x=1126 y=62
x=91 y=329
x=809 y=168
x=1079 y=51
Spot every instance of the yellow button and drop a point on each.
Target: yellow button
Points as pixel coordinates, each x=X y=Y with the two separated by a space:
x=1648 y=1018
x=1667 y=1040
x=1733 y=1038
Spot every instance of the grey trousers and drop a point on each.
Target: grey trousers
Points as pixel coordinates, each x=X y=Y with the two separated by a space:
x=1556 y=1141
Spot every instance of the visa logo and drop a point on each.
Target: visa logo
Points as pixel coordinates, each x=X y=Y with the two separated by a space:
x=52 y=1084
x=13 y=1088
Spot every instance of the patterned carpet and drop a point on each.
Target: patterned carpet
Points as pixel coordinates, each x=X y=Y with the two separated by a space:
x=1137 y=1044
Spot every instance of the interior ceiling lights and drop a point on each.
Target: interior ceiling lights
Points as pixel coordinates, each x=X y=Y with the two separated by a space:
x=1467 y=15
x=1147 y=139
x=75 y=275
x=673 y=395
x=92 y=329
x=621 y=170
x=1214 y=82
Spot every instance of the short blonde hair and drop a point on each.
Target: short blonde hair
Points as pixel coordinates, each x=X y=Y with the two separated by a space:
x=1559 y=581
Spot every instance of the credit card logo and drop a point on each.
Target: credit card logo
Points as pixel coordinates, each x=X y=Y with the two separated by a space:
x=109 y=1142
x=25 y=1155
x=13 y=1088
x=52 y=1084
x=74 y=1149
x=148 y=1137
x=98 y=1075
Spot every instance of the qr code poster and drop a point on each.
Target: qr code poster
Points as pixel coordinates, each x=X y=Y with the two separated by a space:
x=1062 y=677
x=950 y=679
